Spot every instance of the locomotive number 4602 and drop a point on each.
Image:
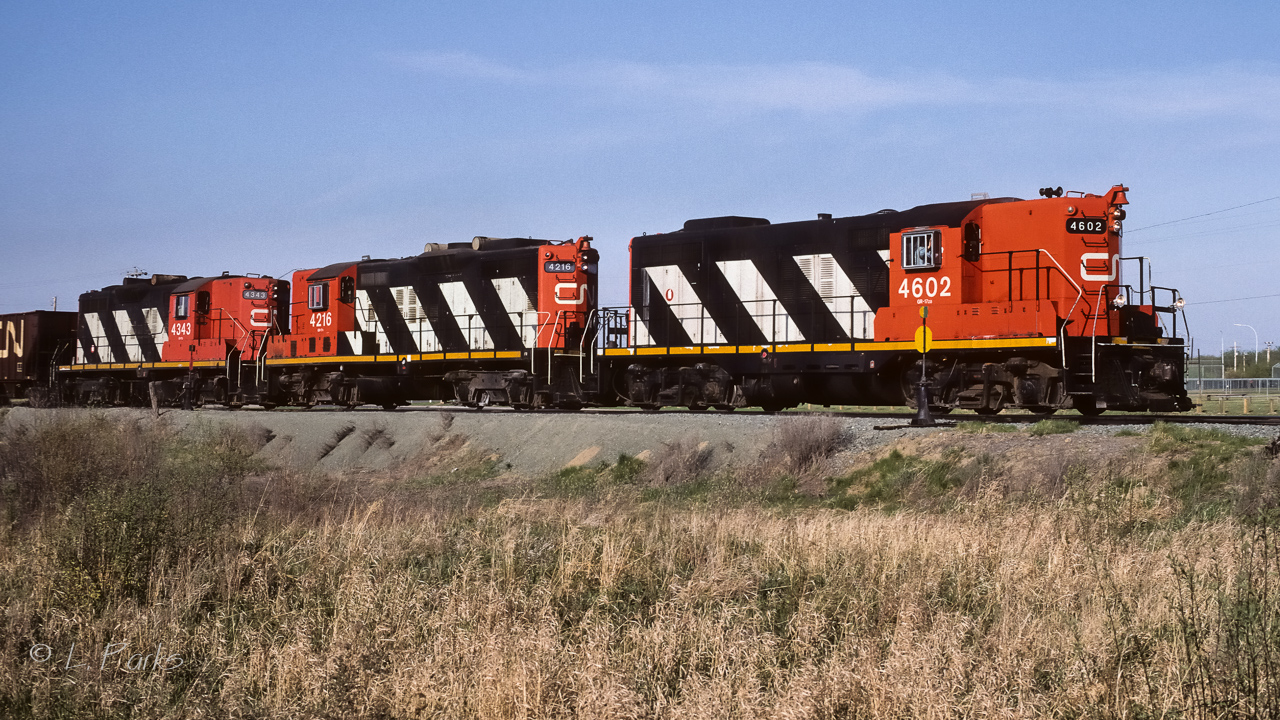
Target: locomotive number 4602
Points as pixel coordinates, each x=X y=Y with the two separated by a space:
x=1087 y=226
x=928 y=287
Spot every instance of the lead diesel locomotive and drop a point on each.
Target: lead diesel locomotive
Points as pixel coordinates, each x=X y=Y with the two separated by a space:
x=995 y=303
x=989 y=304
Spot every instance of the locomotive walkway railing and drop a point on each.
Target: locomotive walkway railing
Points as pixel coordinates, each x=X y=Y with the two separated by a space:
x=754 y=322
x=530 y=326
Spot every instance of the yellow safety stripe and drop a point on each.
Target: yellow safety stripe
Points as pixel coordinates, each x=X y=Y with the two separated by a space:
x=135 y=366
x=417 y=357
x=835 y=347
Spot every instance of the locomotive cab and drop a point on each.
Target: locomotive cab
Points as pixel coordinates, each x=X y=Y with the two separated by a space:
x=1043 y=276
x=211 y=319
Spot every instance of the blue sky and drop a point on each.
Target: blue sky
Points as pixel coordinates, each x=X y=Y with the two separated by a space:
x=261 y=137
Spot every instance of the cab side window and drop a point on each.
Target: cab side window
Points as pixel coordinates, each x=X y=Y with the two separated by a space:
x=318 y=296
x=921 y=251
x=181 y=307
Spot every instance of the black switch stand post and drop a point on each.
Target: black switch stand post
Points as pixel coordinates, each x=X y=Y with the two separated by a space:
x=922 y=418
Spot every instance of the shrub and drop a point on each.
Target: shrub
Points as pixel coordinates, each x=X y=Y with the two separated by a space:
x=805 y=441
x=114 y=499
x=679 y=462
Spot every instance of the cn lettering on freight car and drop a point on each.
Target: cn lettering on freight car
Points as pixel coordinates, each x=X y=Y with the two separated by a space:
x=13 y=335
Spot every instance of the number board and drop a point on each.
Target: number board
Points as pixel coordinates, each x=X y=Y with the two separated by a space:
x=558 y=266
x=1087 y=226
x=255 y=295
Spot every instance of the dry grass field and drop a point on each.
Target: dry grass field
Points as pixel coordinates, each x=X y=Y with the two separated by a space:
x=151 y=573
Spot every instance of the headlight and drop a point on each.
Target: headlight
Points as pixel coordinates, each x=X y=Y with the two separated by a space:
x=1179 y=303
x=1119 y=301
x=1116 y=226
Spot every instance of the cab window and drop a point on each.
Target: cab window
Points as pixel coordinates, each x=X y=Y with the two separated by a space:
x=181 y=307
x=921 y=251
x=318 y=296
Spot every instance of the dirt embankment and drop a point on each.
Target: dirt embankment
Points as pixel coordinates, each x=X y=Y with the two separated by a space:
x=532 y=443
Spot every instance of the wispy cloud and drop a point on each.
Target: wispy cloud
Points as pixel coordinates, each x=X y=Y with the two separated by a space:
x=814 y=87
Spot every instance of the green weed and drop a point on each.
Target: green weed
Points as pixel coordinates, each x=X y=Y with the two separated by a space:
x=977 y=427
x=889 y=481
x=1053 y=427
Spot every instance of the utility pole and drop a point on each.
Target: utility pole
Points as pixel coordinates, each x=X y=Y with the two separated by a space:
x=1235 y=356
x=1255 y=340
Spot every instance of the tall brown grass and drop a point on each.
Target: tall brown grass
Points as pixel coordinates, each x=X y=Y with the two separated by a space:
x=317 y=598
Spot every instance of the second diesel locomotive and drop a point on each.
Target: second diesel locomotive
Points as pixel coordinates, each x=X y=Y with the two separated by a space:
x=1025 y=309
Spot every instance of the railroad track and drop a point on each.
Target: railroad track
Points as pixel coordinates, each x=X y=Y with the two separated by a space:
x=1106 y=419
x=1134 y=419
x=904 y=415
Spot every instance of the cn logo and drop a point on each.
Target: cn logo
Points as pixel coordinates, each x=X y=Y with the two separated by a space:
x=1085 y=274
x=260 y=317
x=577 y=294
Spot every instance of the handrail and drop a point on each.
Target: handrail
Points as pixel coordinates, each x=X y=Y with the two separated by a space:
x=1093 y=361
x=533 y=351
x=554 y=328
x=582 y=344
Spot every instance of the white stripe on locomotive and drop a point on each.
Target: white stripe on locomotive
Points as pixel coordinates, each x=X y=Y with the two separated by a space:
x=99 y=336
x=639 y=331
x=421 y=331
x=124 y=326
x=760 y=301
x=464 y=311
x=156 y=326
x=367 y=320
x=521 y=311
x=839 y=294
x=674 y=289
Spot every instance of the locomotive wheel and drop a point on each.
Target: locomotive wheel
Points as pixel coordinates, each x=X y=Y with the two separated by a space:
x=389 y=406
x=987 y=411
x=698 y=407
x=1042 y=410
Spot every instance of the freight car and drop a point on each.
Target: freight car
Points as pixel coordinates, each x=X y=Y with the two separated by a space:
x=32 y=345
x=983 y=305
x=1025 y=309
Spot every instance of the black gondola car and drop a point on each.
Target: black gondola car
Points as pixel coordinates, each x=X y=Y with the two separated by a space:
x=32 y=344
